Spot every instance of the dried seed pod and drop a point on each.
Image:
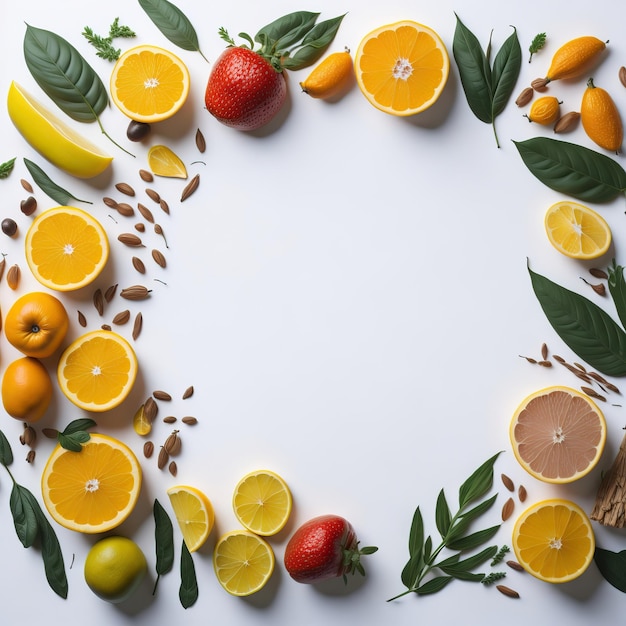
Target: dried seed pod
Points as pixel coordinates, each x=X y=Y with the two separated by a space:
x=139 y=265
x=30 y=457
x=146 y=176
x=125 y=188
x=169 y=419
x=592 y=393
x=173 y=444
x=598 y=273
x=148 y=449
x=130 y=239
x=545 y=363
x=98 y=301
x=135 y=292
x=110 y=293
x=159 y=258
x=507 y=482
x=146 y=213
x=161 y=395
x=190 y=188
x=544 y=351
x=189 y=420
x=515 y=565
x=82 y=320
x=150 y=409
x=507 y=591
x=140 y=227
x=165 y=207
x=164 y=457
x=188 y=392
x=529 y=359
x=121 y=318
x=13 y=276
x=521 y=493
x=567 y=122
x=525 y=97
x=105 y=327
x=30 y=435
x=200 y=141
x=173 y=468
x=153 y=195
x=26 y=185
x=50 y=433
x=28 y=206
x=540 y=84
x=507 y=509
x=622 y=75
x=110 y=202
x=137 y=326
x=123 y=208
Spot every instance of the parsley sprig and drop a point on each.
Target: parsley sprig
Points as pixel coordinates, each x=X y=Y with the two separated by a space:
x=536 y=44
x=104 y=45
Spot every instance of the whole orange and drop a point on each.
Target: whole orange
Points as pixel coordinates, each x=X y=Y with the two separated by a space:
x=36 y=324
x=26 y=389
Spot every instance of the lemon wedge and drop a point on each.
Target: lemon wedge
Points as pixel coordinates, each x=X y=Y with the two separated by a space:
x=163 y=161
x=52 y=137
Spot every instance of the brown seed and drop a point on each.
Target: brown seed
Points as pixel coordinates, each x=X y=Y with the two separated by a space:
x=540 y=84
x=545 y=363
x=28 y=206
x=158 y=257
x=105 y=327
x=110 y=202
x=110 y=293
x=82 y=320
x=525 y=97
x=507 y=591
x=544 y=351
x=188 y=392
x=125 y=188
x=598 y=273
x=165 y=207
x=140 y=227
x=190 y=188
x=130 y=239
x=146 y=213
x=98 y=301
x=146 y=176
x=30 y=436
x=592 y=393
x=173 y=444
x=150 y=409
x=507 y=509
x=123 y=208
x=50 y=433
x=3 y=263
x=529 y=359
x=138 y=264
x=521 y=493
x=22 y=440
x=200 y=141
x=558 y=358
x=173 y=468
x=136 y=292
x=169 y=419
x=153 y=195
x=161 y=395
x=622 y=75
x=30 y=457
x=137 y=325
x=26 y=185
x=567 y=122
x=189 y=420
x=148 y=449
x=121 y=318
x=159 y=231
x=507 y=482
x=515 y=565
x=164 y=457
x=13 y=276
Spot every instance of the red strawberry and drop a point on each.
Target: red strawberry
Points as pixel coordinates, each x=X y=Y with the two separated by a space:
x=247 y=87
x=324 y=547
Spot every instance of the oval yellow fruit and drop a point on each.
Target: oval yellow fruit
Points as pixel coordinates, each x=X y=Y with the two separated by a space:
x=330 y=77
x=601 y=119
x=53 y=138
x=544 y=110
x=575 y=58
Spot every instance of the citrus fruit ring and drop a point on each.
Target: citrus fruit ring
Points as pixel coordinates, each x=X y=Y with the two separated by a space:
x=194 y=513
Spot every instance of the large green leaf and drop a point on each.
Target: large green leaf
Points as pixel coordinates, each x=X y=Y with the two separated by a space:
x=506 y=69
x=586 y=328
x=617 y=289
x=612 y=566
x=65 y=76
x=572 y=169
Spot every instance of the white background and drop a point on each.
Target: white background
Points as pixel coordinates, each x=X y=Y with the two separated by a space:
x=348 y=294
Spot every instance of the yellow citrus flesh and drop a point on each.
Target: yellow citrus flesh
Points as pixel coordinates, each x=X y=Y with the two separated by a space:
x=553 y=540
x=577 y=231
x=141 y=422
x=402 y=68
x=97 y=371
x=66 y=248
x=94 y=490
x=149 y=84
x=243 y=562
x=194 y=513
x=164 y=162
x=330 y=76
x=558 y=434
x=262 y=502
x=53 y=138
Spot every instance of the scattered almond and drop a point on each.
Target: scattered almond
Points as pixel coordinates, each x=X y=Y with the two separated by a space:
x=98 y=301
x=123 y=208
x=13 y=276
x=146 y=176
x=135 y=292
x=200 y=141
x=507 y=482
x=507 y=591
x=567 y=122
x=188 y=392
x=622 y=75
x=189 y=420
x=82 y=320
x=130 y=239
x=150 y=409
x=125 y=188
x=515 y=565
x=164 y=457
x=162 y=395
x=521 y=493
x=540 y=84
x=26 y=185
x=159 y=258
x=169 y=419
x=138 y=264
x=525 y=97
x=173 y=468
x=148 y=449
x=190 y=188
x=146 y=213
x=173 y=444
x=138 y=323
x=153 y=195
x=121 y=318
x=507 y=509
x=110 y=293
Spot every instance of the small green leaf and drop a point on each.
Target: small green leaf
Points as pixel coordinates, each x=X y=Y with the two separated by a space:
x=538 y=42
x=443 y=517
x=6 y=454
x=586 y=328
x=6 y=168
x=188 y=591
x=164 y=541
x=466 y=565
x=479 y=509
x=612 y=566
x=433 y=585
x=58 y=194
x=416 y=534
x=479 y=483
x=573 y=169
x=469 y=542
x=79 y=425
x=24 y=517
x=286 y=30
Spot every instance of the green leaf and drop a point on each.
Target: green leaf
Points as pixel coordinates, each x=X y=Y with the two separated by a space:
x=6 y=168
x=50 y=188
x=173 y=23
x=573 y=169
x=469 y=542
x=78 y=425
x=164 y=541
x=506 y=69
x=286 y=30
x=24 y=517
x=443 y=517
x=617 y=289
x=65 y=76
x=586 y=328
x=460 y=568
x=188 y=591
x=73 y=442
x=433 y=585
x=416 y=534
x=412 y=571
x=612 y=566
x=6 y=454
x=538 y=42
x=479 y=483
x=479 y=509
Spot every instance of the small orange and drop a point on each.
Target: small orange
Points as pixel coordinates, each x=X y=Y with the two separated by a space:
x=330 y=77
x=600 y=118
x=36 y=324
x=26 y=389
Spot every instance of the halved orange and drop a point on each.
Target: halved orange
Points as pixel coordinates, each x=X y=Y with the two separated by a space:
x=97 y=371
x=577 y=231
x=558 y=434
x=66 y=248
x=553 y=540
x=149 y=84
x=402 y=68
x=94 y=490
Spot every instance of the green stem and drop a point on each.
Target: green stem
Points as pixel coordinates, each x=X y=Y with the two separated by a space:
x=493 y=124
x=104 y=132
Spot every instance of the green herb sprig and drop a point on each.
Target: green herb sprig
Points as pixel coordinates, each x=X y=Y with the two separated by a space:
x=424 y=573
x=538 y=42
x=104 y=45
x=32 y=526
x=7 y=167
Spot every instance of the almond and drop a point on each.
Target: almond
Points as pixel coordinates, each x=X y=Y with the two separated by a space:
x=525 y=97
x=567 y=122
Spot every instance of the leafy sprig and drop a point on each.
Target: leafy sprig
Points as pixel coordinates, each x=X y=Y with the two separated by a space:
x=6 y=168
x=538 y=42
x=425 y=572
x=75 y=434
x=104 y=45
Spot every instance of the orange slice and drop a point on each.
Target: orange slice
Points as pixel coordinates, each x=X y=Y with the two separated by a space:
x=66 y=248
x=402 y=68
x=577 y=231
x=149 y=84
x=98 y=370
x=558 y=434
x=554 y=541
x=94 y=490
x=194 y=513
x=165 y=162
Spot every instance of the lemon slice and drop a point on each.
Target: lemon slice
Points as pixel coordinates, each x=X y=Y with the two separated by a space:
x=243 y=562
x=141 y=423
x=53 y=138
x=194 y=513
x=165 y=162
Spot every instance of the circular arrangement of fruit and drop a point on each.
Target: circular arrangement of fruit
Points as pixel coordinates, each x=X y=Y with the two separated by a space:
x=91 y=481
